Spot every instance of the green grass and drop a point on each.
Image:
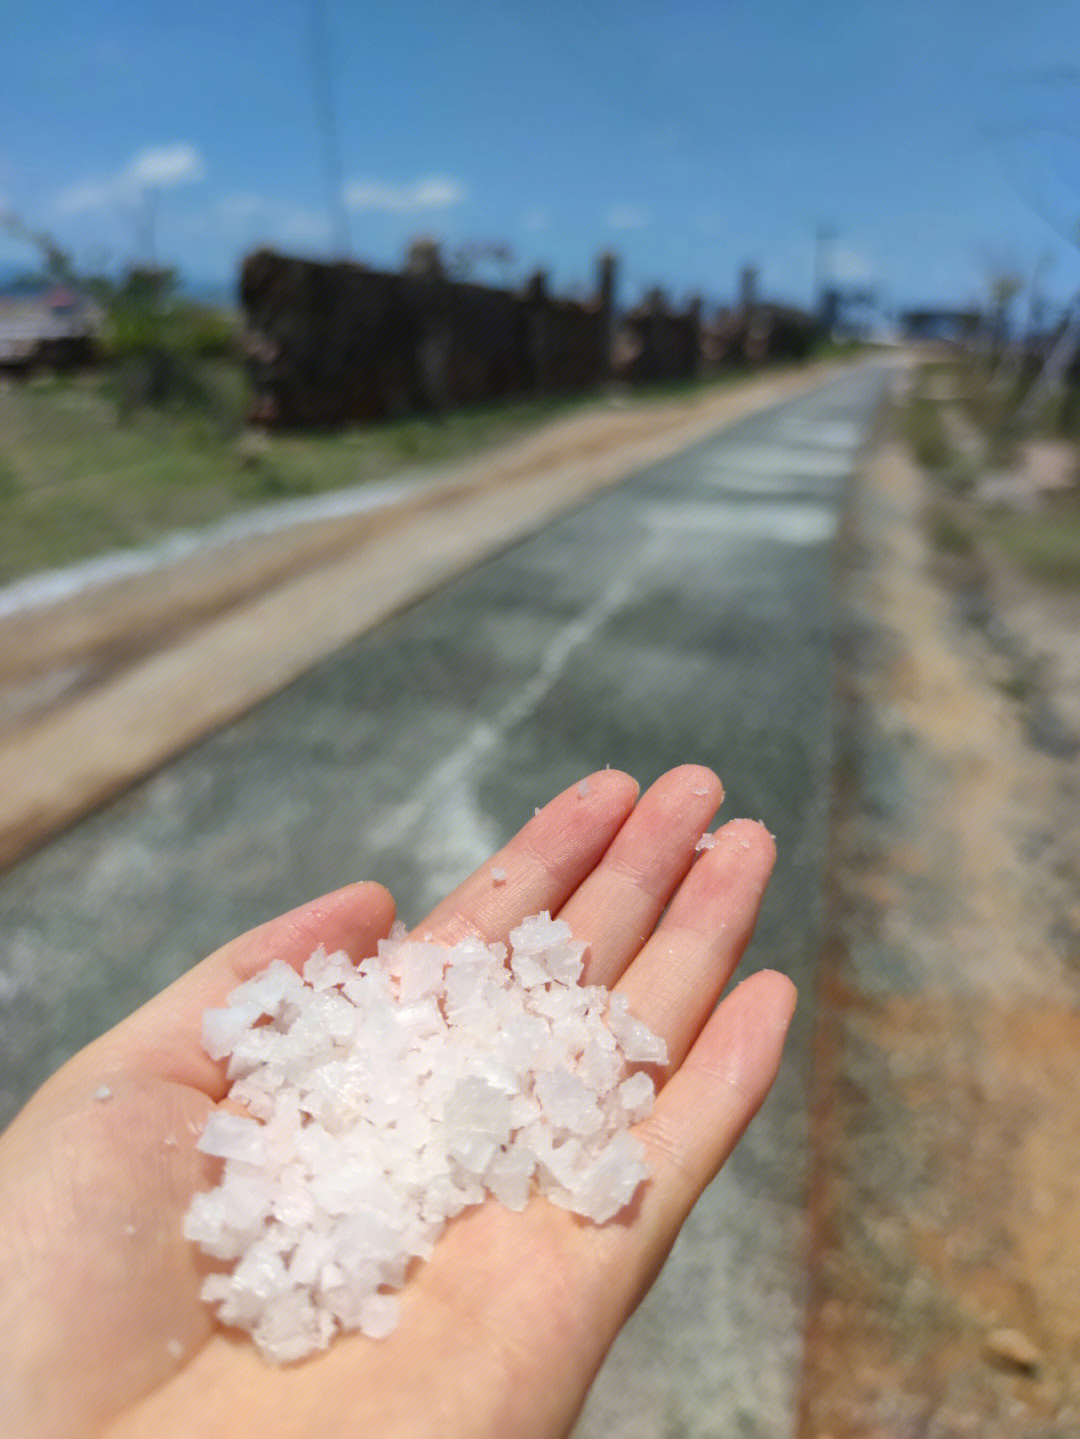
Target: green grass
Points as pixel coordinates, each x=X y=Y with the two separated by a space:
x=996 y=398
x=1046 y=546
x=948 y=532
x=992 y=390
x=924 y=429
x=82 y=473
x=1017 y=687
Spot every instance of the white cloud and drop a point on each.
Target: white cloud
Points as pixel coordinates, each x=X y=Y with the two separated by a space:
x=438 y=192
x=165 y=166
x=628 y=217
x=158 y=167
x=849 y=267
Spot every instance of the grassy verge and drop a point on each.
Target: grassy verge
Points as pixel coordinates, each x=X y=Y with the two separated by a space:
x=1043 y=542
x=923 y=424
x=77 y=480
x=1046 y=546
x=87 y=465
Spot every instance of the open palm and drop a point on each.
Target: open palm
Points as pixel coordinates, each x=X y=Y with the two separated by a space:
x=102 y=1331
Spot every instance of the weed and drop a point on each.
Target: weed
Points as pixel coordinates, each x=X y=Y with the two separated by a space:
x=9 y=480
x=1016 y=687
x=949 y=533
x=925 y=432
x=265 y=481
x=1046 y=545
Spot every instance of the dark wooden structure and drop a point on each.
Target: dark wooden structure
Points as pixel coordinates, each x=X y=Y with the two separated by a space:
x=329 y=344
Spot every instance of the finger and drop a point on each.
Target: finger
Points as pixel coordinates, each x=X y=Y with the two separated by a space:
x=542 y=865
x=164 y=1037
x=675 y=982
x=702 y=1111
x=617 y=907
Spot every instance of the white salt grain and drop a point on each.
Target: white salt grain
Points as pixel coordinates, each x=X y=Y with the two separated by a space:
x=583 y=787
x=498 y=874
x=705 y=842
x=102 y=1093
x=388 y=1096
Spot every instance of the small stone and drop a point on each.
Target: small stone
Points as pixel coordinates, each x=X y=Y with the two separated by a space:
x=1013 y=1349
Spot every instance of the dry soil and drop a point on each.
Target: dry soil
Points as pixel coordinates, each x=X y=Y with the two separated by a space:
x=945 y=1210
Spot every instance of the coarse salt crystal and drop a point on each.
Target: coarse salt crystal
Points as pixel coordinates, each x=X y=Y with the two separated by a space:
x=102 y=1093
x=707 y=841
x=231 y=1136
x=498 y=874
x=390 y=1095
x=583 y=787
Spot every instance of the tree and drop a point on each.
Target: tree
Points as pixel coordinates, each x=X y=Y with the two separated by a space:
x=57 y=267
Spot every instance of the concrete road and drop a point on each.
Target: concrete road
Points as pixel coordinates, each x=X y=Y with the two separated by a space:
x=688 y=615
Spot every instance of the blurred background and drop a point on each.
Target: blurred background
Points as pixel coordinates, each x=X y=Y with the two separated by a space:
x=850 y=172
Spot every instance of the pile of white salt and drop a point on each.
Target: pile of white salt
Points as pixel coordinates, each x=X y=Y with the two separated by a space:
x=388 y=1096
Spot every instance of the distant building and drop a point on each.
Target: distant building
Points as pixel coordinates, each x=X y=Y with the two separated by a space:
x=952 y=326
x=57 y=329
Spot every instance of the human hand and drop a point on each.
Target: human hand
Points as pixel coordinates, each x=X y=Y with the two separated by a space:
x=503 y=1330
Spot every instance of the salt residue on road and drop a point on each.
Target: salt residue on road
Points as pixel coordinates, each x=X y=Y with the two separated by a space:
x=52 y=586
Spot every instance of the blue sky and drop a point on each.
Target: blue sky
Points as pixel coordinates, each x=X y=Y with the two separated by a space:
x=938 y=141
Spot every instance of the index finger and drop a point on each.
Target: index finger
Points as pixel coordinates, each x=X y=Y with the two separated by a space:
x=542 y=866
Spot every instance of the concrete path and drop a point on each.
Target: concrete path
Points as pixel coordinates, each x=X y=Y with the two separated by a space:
x=110 y=668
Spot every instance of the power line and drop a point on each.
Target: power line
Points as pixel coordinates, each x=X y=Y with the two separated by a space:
x=328 y=125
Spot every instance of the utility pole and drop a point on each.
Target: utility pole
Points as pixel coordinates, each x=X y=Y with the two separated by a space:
x=328 y=126
x=149 y=218
x=824 y=238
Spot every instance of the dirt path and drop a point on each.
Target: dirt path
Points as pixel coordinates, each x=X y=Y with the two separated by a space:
x=945 y=1274
x=97 y=691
